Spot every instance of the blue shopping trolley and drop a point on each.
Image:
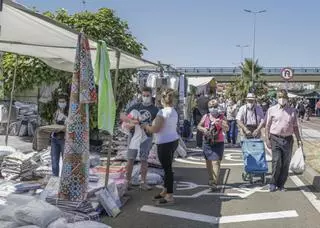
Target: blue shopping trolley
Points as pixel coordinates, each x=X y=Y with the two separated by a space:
x=254 y=157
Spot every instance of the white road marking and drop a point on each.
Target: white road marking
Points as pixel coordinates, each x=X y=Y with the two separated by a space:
x=202 y=163
x=306 y=192
x=219 y=220
x=242 y=191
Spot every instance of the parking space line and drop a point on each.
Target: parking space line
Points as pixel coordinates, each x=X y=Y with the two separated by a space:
x=306 y=192
x=219 y=220
x=202 y=163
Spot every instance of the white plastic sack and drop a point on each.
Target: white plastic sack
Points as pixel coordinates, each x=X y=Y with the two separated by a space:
x=153 y=179
x=106 y=200
x=30 y=226
x=6 y=150
x=297 y=164
x=139 y=134
x=181 y=151
x=38 y=212
x=87 y=224
x=112 y=188
x=7 y=224
x=59 y=223
x=135 y=175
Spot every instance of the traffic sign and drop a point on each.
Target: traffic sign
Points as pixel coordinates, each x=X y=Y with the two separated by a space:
x=287 y=73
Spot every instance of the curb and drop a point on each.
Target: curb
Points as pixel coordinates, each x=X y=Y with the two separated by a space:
x=312 y=177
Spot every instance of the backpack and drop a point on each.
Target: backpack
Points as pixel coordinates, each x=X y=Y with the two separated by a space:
x=186 y=129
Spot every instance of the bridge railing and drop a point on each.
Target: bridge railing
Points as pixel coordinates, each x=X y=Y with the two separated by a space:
x=237 y=70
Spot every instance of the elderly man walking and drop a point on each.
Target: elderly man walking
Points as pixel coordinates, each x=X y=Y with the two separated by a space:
x=280 y=126
x=250 y=118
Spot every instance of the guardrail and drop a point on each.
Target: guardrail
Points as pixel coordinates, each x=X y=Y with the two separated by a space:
x=237 y=70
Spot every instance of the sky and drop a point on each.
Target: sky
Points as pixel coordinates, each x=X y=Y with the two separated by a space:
x=204 y=33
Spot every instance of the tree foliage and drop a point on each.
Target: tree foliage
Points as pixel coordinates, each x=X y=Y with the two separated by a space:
x=242 y=85
x=100 y=25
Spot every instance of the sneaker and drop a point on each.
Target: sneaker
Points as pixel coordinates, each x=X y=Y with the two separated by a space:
x=145 y=187
x=282 y=189
x=272 y=188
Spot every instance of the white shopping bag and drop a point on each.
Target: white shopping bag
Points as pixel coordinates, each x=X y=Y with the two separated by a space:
x=297 y=164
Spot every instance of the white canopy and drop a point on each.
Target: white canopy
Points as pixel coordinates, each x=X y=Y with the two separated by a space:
x=199 y=81
x=291 y=95
x=28 y=33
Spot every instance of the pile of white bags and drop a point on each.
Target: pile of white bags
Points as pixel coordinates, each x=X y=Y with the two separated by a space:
x=26 y=211
x=5 y=151
x=18 y=165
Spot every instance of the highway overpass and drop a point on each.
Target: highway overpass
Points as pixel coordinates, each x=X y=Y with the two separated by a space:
x=270 y=74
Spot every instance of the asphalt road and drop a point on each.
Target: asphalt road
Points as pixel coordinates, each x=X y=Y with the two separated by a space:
x=238 y=204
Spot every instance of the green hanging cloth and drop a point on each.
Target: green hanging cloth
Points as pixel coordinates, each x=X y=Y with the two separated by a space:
x=106 y=101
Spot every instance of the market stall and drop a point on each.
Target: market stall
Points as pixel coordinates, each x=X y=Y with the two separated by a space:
x=25 y=32
x=203 y=85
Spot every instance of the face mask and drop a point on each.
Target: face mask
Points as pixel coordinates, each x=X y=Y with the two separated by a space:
x=250 y=105
x=62 y=105
x=146 y=100
x=282 y=101
x=214 y=111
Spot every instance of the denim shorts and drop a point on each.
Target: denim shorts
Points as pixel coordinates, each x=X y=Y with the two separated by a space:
x=145 y=148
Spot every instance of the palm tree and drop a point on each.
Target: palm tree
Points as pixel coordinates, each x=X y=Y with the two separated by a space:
x=242 y=85
x=246 y=68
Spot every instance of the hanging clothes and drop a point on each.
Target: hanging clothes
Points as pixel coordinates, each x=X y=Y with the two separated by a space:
x=75 y=170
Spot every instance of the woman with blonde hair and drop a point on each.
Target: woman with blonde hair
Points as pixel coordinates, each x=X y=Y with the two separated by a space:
x=213 y=125
x=165 y=128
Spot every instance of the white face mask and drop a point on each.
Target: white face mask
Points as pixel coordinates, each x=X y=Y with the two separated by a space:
x=146 y=100
x=250 y=105
x=62 y=105
x=214 y=111
x=282 y=101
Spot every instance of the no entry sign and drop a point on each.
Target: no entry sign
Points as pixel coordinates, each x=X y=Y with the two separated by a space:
x=287 y=73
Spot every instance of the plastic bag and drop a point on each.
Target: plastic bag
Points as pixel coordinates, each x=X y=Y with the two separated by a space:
x=112 y=188
x=87 y=224
x=153 y=179
x=107 y=201
x=38 y=212
x=297 y=164
x=59 y=223
x=8 y=224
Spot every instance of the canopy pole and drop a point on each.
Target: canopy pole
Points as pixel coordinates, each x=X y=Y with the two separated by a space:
x=115 y=86
x=116 y=78
x=11 y=99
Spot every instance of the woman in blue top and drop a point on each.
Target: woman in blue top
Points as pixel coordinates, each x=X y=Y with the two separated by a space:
x=165 y=128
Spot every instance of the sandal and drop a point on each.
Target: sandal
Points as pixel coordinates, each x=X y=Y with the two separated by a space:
x=164 y=202
x=157 y=197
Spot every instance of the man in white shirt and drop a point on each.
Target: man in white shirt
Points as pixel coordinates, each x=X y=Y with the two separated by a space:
x=250 y=118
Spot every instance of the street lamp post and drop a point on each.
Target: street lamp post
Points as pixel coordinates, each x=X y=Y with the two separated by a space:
x=241 y=50
x=254 y=37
